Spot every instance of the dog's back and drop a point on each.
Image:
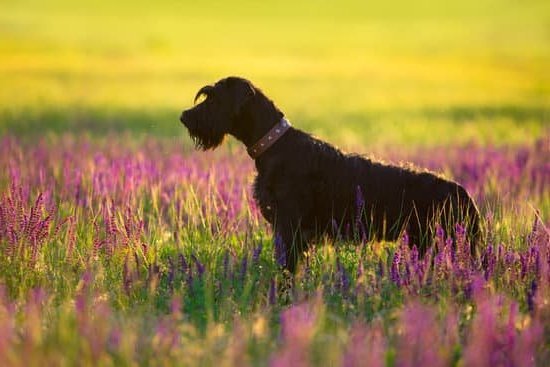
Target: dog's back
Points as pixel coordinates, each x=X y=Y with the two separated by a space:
x=340 y=189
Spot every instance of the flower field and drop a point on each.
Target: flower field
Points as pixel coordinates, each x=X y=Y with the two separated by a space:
x=120 y=245
x=113 y=254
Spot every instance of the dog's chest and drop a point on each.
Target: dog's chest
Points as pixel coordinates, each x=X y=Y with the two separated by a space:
x=265 y=197
x=289 y=192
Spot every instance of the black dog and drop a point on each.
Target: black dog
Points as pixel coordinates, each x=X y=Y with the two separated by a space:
x=306 y=187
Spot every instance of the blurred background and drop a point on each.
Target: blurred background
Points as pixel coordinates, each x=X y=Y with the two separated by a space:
x=358 y=73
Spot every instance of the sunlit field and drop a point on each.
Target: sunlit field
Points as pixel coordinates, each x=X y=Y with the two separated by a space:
x=121 y=245
x=357 y=73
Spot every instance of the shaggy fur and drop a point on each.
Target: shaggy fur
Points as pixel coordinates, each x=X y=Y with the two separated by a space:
x=307 y=188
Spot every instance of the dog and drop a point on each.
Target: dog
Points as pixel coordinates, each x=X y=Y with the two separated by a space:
x=307 y=188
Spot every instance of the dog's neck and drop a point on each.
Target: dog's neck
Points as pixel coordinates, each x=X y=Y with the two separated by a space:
x=268 y=139
x=255 y=123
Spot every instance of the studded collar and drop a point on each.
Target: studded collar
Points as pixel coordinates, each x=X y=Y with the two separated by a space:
x=269 y=139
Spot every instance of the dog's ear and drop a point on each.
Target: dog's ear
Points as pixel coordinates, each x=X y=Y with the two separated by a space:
x=204 y=91
x=244 y=92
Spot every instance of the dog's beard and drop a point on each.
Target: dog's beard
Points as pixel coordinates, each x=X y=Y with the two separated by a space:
x=205 y=141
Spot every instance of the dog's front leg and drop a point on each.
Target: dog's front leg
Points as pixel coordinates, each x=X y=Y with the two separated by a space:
x=290 y=242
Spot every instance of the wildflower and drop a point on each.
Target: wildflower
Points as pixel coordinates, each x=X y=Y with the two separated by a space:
x=171 y=273
x=244 y=267
x=489 y=260
x=421 y=333
x=380 y=268
x=280 y=251
x=199 y=265
x=272 y=297
x=394 y=271
x=523 y=265
x=440 y=232
x=297 y=331
x=256 y=253
x=460 y=230
x=126 y=277
x=366 y=347
x=405 y=239
x=531 y=293
x=343 y=278
x=183 y=264
x=226 y=264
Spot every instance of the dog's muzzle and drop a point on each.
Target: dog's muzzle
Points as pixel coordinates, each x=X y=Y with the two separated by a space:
x=183 y=117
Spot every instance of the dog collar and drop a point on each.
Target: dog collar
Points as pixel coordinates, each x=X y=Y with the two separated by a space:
x=269 y=139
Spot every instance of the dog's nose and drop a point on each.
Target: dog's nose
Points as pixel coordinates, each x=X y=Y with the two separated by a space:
x=182 y=117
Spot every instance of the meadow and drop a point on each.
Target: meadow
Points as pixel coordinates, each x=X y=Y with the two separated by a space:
x=122 y=245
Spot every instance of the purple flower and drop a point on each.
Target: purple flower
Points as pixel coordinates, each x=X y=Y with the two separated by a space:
x=380 y=269
x=226 y=264
x=524 y=265
x=394 y=271
x=171 y=272
x=344 y=281
x=280 y=250
x=199 y=265
x=298 y=321
x=183 y=264
x=405 y=239
x=126 y=276
x=421 y=333
x=244 y=267
x=366 y=347
x=256 y=254
x=440 y=232
x=272 y=296
x=459 y=229
x=488 y=261
x=531 y=293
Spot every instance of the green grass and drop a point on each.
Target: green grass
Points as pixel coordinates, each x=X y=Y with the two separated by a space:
x=367 y=131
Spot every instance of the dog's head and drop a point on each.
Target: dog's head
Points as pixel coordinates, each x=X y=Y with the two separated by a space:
x=209 y=120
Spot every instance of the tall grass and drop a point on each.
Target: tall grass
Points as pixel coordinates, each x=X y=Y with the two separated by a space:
x=113 y=254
